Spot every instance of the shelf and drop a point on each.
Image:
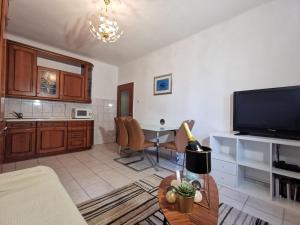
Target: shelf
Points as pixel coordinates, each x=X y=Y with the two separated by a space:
x=224 y=157
x=255 y=165
x=287 y=204
x=286 y=173
x=254 y=189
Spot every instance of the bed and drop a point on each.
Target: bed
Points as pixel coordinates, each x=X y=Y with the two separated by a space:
x=35 y=196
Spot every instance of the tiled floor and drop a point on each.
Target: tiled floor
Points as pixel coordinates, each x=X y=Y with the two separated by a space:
x=92 y=173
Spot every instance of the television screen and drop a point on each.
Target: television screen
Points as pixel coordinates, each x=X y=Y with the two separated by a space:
x=275 y=111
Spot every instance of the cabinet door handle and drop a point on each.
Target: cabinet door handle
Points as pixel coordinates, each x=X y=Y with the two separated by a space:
x=4 y=131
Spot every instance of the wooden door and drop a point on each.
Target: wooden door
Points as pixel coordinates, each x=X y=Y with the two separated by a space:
x=125 y=100
x=48 y=83
x=51 y=139
x=20 y=143
x=21 y=71
x=72 y=86
x=90 y=134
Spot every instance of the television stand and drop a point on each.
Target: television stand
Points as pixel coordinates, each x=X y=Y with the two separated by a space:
x=241 y=133
x=245 y=163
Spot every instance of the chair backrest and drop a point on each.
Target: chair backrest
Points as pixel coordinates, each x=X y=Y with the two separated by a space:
x=122 y=133
x=135 y=134
x=181 y=139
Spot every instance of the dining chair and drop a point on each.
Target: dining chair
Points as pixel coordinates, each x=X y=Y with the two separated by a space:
x=122 y=134
x=181 y=140
x=136 y=145
x=136 y=137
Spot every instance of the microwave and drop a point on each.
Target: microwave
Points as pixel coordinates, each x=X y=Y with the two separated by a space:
x=80 y=113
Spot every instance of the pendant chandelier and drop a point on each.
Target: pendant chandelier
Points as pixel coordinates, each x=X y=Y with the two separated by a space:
x=105 y=27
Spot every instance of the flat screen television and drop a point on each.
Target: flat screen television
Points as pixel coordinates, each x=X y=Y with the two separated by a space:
x=273 y=112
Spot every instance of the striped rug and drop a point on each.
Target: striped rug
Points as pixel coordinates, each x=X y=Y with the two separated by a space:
x=137 y=203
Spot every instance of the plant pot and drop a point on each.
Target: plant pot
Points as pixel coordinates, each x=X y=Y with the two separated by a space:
x=185 y=204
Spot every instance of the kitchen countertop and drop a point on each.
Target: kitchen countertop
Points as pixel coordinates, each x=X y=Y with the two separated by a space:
x=44 y=119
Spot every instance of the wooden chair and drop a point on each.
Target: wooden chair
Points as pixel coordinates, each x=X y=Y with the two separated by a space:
x=181 y=140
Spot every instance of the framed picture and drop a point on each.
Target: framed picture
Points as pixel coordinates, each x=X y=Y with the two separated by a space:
x=163 y=84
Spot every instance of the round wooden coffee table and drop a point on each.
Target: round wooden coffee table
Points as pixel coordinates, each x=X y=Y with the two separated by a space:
x=200 y=215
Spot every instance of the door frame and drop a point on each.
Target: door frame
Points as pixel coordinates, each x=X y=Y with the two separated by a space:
x=122 y=87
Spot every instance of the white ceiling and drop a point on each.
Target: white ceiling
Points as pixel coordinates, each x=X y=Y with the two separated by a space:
x=147 y=24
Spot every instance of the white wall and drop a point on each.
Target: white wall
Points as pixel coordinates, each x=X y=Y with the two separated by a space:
x=258 y=49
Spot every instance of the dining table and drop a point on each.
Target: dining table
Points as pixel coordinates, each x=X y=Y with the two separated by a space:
x=158 y=129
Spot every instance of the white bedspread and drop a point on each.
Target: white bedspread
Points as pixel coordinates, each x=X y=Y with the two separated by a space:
x=35 y=196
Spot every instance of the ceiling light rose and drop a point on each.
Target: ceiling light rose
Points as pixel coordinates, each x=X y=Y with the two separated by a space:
x=106 y=28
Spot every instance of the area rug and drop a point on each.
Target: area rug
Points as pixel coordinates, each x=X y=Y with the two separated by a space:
x=137 y=203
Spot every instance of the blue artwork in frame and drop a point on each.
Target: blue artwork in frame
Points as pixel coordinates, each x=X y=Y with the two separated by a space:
x=163 y=84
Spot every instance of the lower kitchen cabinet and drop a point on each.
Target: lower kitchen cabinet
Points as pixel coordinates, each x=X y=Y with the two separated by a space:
x=76 y=137
x=51 y=137
x=26 y=140
x=20 y=143
x=89 y=134
x=3 y=129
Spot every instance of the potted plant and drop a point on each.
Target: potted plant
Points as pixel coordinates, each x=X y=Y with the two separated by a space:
x=186 y=193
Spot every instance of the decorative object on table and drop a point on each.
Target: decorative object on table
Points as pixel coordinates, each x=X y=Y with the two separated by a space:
x=171 y=197
x=162 y=85
x=171 y=188
x=104 y=26
x=198 y=197
x=186 y=194
x=196 y=184
x=193 y=143
x=175 y=183
x=162 y=122
x=191 y=176
x=198 y=160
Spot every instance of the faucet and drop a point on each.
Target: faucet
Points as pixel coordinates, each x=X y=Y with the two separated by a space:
x=17 y=115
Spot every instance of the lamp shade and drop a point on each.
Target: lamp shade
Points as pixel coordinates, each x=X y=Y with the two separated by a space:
x=199 y=161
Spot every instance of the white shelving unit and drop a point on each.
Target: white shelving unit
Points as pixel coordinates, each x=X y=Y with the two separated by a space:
x=244 y=163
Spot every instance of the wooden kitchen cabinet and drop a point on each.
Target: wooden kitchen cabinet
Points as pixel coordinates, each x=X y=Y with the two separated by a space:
x=3 y=129
x=20 y=142
x=89 y=134
x=76 y=135
x=3 y=26
x=22 y=71
x=87 y=71
x=72 y=86
x=27 y=80
x=31 y=139
x=51 y=137
x=48 y=83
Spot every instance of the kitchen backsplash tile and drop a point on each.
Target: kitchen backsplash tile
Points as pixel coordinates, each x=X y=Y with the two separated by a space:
x=104 y=111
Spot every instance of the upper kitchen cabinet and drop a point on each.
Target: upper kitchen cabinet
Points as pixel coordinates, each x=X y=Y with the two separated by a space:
x=87 y=71
x=21 y=77
x=26 y=79
x=48 y=82
x=72 y=86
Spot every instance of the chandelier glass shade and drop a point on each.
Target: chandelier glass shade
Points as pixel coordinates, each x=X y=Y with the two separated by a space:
x=105 y=27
